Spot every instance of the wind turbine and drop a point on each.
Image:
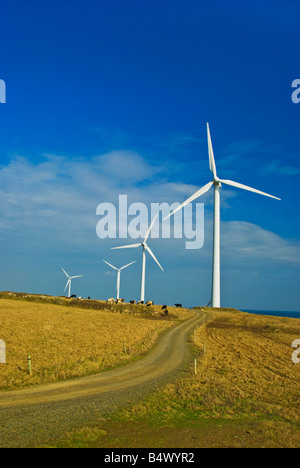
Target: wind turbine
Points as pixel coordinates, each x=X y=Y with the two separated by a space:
x=119 y=275
x=145 y=248
x=69 y=281
x=216 y=182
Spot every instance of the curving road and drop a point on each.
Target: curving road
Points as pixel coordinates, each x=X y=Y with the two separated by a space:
x=34 y=416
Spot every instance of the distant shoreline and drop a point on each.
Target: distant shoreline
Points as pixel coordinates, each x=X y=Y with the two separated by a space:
x=275 y=313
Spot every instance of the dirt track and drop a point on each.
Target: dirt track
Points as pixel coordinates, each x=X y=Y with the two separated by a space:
x=34 y=416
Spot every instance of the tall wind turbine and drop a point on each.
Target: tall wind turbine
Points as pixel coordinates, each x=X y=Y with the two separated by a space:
x=216 y=182
x=145 y=248
x=69 y=281
x=119 y=275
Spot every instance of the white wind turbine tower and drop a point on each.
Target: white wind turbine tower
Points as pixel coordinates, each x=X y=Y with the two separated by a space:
x=145 y=249
x=119 y=275
x=216 y=182
x=69 y=281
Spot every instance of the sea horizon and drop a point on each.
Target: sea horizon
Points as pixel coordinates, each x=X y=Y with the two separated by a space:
x=276 y=313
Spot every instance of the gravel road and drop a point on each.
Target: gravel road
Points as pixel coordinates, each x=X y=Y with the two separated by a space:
x=35 y=416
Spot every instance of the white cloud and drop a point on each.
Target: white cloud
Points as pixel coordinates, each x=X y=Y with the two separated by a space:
x=48 y=215
x=126 y=166
x=248 y=242
x=62 y=195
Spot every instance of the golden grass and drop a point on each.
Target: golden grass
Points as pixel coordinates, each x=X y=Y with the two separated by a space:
x=248 y=361
x=246 y=382
x=66 y=341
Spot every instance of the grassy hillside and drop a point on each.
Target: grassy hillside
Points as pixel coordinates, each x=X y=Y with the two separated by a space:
x=245 y=394
x=70 y=338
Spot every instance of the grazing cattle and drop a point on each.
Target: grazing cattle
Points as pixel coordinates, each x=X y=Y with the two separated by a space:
x=166 y=312
x=164 y=307
x=150 y=303
x=111 y=301
x=132 y=302
x=141 y=302
x=73 y=296
x=178 y=305
x=120 y=301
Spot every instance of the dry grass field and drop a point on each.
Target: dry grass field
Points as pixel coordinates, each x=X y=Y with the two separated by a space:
x=247 y=368
x=66 y=338
x=245 y=393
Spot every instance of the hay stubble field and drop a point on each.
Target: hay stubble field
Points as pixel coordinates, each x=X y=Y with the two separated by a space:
x=67 y=339
x=245 y=392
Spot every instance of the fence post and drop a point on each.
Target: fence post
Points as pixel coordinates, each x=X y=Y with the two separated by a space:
x=2 y=352
x=29 y=364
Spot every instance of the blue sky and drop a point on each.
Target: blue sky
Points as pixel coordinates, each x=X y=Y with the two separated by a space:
x=112 y=97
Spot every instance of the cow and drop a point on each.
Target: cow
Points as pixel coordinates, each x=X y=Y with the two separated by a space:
x=178 y=305
x=132 y=302
x=120 y=301
x=164 y=307
x=149 y=303
x=111 y=301
x=141 y=302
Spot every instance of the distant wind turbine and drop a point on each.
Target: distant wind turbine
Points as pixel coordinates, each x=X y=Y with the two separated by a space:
x=145 y=249
x=119 y=275
x=69 y=281
x=216 y=182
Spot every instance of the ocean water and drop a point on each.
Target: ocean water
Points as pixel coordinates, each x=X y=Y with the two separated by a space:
x=276 y=313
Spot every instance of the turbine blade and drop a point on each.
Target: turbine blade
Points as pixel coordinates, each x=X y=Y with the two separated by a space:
x=192 y=198
x=65 y=272
x=67 y=284
x=149 y=230
x=211 y=157
x=153 y=256
x=245 y=187
x=132 y=246
x=127 y=265
x=79 y=276
x=110 y=265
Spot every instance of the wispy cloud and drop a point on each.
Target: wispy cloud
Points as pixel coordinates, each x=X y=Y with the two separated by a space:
x=171 y=143
x=180 y=142
x=59 y=192
x=50 y=207
x=276 y=167
x=247 y=242
x=62 y=195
